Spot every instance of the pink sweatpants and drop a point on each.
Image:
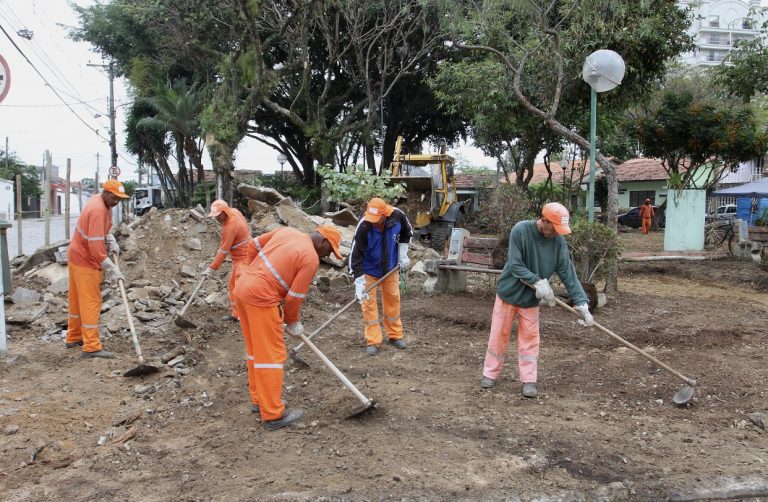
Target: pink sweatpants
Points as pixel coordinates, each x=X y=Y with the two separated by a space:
x=527 y=340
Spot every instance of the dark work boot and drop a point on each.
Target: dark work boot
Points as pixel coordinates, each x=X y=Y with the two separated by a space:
x=372 y=350
x=529 y=389
x=487 y=383
x=399 y=343
x=72 y=345
x=289 y=417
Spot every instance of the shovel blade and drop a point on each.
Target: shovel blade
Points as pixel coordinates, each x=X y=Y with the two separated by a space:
x=141 y=370
x=684 y=395
x=363 y=409
x=185 y=323
x=297 y=360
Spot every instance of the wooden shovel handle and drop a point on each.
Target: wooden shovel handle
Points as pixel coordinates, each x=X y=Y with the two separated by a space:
x=121 y=287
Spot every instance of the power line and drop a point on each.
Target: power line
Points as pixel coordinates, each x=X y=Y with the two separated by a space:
x=49 y=106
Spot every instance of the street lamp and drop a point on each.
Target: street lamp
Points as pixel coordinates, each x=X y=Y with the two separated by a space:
x=602 y=70
x=564 y=166
x=282 y=158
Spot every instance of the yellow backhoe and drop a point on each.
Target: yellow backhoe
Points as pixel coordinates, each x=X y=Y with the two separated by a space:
x=430 y=200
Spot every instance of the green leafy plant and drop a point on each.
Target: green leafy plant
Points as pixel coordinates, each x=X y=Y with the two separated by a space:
x=358 y=185
x=595 y=249
x=501 y=208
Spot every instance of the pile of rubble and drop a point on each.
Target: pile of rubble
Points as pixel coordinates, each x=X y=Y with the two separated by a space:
x=163 y=254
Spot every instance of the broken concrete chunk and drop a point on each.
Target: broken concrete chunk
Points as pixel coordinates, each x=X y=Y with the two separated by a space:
x=256 y=206
x=11 y=429
x=188 y=270
x=264 y=194
x=143 y=388
x=145 y=316
x=758 y=419
x=218 y=299
x=60 y=286
x=23 y=296
x=296 y=218
x=286 y=201
x=138 y=294
x=171 y=354
x=176 y=360
x=418 y=268
x=331 y=281
x=193 y=244
x=196 y=214
x=25 y=314
x=343 y=218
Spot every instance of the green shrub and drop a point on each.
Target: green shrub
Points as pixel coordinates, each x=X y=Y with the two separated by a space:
x=501 y=208
x=595 y=249
x=357 y=186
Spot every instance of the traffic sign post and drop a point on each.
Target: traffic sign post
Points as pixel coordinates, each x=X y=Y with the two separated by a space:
x=5 y=78
x=114 y=171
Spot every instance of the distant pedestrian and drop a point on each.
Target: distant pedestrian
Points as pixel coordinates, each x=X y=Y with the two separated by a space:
x=88 y=261
x=647 y=214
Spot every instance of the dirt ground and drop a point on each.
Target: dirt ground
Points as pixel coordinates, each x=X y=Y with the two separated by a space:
x=604 y=426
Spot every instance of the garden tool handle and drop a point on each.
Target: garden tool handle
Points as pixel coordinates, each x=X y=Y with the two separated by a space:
x=624 y=342
x=121 y=287
x=349 y=385
x=343 y=309
x=192 y=296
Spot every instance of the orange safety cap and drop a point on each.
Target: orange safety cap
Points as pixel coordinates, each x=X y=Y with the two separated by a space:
x=558 y=215
x=376 y=209
x=116 y=188
x=333 y=236
x=217 y=207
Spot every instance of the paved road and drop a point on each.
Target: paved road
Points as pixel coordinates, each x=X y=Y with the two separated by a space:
x=33 y=234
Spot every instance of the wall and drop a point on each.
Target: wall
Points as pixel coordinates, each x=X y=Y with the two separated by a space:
x=684 y=228
x=633 y=186
x=7 y=199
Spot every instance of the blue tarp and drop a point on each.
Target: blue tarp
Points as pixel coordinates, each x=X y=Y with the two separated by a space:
x=752 y=199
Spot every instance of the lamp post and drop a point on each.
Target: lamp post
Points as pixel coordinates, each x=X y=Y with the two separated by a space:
x=282 y=158
x=602 y=70
x=564 y=166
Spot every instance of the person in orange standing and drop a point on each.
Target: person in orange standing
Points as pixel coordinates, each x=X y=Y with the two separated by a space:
x=270 y=289
x=235 y=234
x=381 y=243
x=88 y=260
x=646 y=214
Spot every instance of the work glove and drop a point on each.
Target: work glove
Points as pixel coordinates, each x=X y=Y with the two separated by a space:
x=544 y=292
x=111 y=273
x=402 y=255
x=208 y=272
x=360 y=293
x=295 y=329
x=586 y=317
x=112 y=247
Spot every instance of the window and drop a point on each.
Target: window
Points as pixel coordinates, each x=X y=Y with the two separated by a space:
x=637 y=198
x=713 y=21
x=747 y=24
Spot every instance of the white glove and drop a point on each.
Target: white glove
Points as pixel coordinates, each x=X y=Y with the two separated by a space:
x=112 y=247
x=112 y=274
x=402 y=256
x=208 y=272
x=295 y=329
x=544 y=292
x=583 y=311
x=360 y=293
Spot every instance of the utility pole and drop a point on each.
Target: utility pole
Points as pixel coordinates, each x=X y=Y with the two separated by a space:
x=97 y=173
x=112 y=141
x=47 y=188
x=67 y=200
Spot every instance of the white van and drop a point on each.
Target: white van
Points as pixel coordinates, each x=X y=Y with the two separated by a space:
x=726 y=212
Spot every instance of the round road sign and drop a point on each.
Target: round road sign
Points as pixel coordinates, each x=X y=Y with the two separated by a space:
x=5 y=78
x=114 y=171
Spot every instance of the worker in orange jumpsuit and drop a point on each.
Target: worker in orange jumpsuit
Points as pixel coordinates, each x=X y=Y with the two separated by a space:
x=235 y=234
x=270 y=290
x=646 y=214
x=381 y=243
x=88 y=260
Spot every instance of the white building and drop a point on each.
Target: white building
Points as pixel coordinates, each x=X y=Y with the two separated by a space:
x=717 y=25
x=7 y=200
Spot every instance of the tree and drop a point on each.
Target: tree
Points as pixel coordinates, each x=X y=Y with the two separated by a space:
x=11 y=166
x=542 y=44
x=744 y=73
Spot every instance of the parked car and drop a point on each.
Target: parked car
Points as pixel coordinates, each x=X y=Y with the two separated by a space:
x=726 y=212
x=632 y=218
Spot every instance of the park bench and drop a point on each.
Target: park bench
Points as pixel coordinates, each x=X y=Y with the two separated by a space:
x=465 y=254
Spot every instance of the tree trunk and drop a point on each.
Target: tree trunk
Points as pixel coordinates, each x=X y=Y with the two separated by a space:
x=223 y=164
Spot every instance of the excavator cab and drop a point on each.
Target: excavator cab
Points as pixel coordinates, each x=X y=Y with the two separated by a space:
x=430 y=199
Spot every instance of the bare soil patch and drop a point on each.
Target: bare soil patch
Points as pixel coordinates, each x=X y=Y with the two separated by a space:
x=604 y=419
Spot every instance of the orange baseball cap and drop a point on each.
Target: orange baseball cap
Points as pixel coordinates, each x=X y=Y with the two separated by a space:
x=558 y=215
x=116 y=188
x=333 y=236
x=217 y=207
x=376 y=208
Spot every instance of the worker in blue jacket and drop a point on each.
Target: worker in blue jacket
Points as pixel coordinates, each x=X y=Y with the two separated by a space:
x=381 y=243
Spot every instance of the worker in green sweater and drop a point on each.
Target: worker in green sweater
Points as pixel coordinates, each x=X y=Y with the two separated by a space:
x=537 y=249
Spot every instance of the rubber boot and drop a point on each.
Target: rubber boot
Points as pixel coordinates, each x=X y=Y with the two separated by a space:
x=529 y=389
x=289 y=417
x=102 y=353
x=487 y=383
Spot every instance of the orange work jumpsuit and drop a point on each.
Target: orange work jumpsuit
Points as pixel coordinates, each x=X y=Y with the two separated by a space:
x=646 y=213
x=87 y=250
x=235 y=234
x=281 y=266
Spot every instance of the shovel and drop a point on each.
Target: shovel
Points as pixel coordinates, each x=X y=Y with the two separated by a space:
x=182 y=321
x=367 y=404
x=683 y=395
x=142 y=368
x=294 y=352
